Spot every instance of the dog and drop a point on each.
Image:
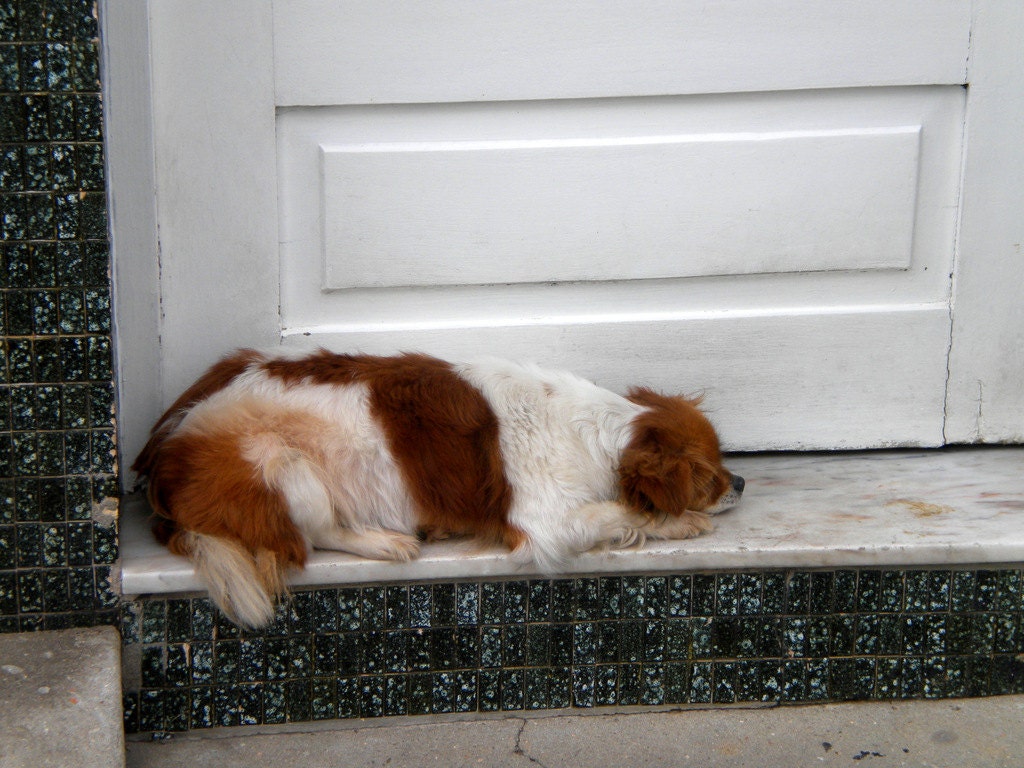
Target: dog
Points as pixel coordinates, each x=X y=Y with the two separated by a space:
x=269 y=455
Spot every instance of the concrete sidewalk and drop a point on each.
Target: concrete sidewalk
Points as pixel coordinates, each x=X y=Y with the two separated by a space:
x=972 y=733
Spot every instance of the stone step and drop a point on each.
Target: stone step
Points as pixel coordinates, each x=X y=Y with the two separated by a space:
x=947 y=507
x=60 y=699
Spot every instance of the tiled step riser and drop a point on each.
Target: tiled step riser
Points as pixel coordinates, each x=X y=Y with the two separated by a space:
x=484 y=646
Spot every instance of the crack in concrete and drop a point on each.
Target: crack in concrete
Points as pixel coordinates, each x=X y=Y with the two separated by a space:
x=518 y=749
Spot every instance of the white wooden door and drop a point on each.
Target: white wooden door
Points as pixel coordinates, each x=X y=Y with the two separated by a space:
x=758 y=201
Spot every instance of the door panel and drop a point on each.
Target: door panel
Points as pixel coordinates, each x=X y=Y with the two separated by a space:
x=563 y=209
x=357 y=52
x=775 y=251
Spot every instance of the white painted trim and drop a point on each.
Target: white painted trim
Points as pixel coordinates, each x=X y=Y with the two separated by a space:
x=985 y=391
x=131 y=201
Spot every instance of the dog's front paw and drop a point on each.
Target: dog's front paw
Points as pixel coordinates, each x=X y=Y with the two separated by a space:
x=685 y=526
x=400 y=547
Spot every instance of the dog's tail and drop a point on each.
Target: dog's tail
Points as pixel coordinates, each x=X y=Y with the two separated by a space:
x=243 y=584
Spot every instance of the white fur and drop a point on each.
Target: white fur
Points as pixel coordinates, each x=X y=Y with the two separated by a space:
x=561 y=437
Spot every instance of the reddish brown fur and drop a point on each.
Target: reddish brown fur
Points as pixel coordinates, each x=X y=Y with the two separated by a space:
x=440 y=430
x=204 y=485
x=160 y=459
x=673 y=463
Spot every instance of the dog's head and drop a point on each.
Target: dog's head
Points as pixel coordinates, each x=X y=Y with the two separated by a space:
x=673 y=462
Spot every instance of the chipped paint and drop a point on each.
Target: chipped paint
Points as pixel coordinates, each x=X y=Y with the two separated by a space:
x=106 y=512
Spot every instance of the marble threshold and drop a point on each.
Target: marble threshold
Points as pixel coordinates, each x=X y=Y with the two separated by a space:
x=919 y=508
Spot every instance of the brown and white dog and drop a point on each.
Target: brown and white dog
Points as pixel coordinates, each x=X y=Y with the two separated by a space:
x=268 y=455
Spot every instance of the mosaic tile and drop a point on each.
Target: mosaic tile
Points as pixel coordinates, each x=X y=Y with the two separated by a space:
x=610 y=596
x=702 y=595
x=516 y=656
x=443 y=605
x=606 y=678
x=467 y=604
x=491 y=602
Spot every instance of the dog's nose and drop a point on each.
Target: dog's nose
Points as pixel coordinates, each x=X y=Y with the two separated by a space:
x=738 y=483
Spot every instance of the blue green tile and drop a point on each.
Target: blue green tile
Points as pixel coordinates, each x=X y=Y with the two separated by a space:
x=396 y=695
x=349 y=610
x=701 y=685
x=298 y=701
x=201 y=663
x=515 y=600
x=610 y=596
x=443 y=609
x=539 y=601
x=538 y=644
x=630 y=684
x=467 y=647
x=489 y=690
x=512 y=689
x=726 y=594
x=773 y=596
x=749 y=594
x=491 y=603
x=275 y=706
x=656 y=596
x=151 y=712
x=560 y=687
x=679 y=595
x=869 y=591
x=583 y=686
x=323 y=702
x=372 y=693
x=1007 y=675
x=347 y=654
x=632 y=606
x=421 y=694
x=587 y=600
x=467 y=604
x=178 y=670
x=677 y=640
x=56 y=592
x=607 y=650
x=606 y=684
x=490 y=647
x=537 y=689
x=325 y=655
x=702 y=595
x=153 y=666
x=584 y=644
x=794 y=637
x=373 y=653
x=724 y=688
x=513 y=641
x=419 y=605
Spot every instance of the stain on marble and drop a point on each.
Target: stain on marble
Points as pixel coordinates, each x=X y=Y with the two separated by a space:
x=923 y=508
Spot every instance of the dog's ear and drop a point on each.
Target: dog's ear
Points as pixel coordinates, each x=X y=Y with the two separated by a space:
x=653 y=480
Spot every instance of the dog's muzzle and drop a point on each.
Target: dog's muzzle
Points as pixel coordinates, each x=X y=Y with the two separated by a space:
x=730 y=498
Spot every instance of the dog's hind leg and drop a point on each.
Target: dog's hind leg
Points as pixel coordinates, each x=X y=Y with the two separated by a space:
x=373 y=543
